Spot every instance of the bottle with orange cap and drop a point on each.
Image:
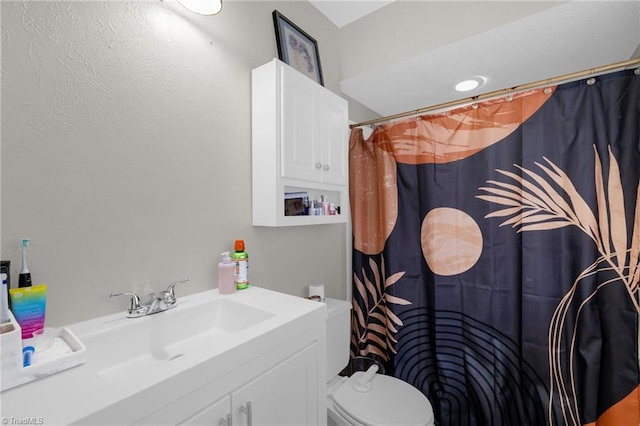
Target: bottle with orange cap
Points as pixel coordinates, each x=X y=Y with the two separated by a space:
x=241 y=259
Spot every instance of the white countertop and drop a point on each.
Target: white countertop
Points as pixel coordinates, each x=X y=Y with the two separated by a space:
x=80 y=392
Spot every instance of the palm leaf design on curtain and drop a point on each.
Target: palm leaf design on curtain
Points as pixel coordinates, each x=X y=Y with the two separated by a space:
x=534 y=205
x=374 y=324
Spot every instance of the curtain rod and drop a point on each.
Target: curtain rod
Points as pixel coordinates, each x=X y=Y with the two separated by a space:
x=502 y=92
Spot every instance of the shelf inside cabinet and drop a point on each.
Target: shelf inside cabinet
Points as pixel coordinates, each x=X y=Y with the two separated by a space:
x=310 y=202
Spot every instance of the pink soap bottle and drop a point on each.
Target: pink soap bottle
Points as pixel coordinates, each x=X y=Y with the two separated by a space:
x=226 y=275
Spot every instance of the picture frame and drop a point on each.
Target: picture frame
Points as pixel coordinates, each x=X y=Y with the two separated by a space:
x=296 y=48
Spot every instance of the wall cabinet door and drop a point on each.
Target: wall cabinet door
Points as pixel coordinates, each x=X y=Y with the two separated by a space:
x=300 y=124
x=286 y=395
x=334 y=136
x=314 y=123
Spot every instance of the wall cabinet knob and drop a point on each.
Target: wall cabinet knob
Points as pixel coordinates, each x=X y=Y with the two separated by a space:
x=318 y=165
x=326 y=167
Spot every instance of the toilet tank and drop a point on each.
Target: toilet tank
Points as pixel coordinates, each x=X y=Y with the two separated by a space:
x=338 y=335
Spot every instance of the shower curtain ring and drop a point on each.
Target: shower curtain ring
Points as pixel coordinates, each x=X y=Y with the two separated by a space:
x=509 y=96
x=474 y=105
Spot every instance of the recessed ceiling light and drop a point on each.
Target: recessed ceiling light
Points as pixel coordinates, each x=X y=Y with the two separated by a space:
x=469 y=84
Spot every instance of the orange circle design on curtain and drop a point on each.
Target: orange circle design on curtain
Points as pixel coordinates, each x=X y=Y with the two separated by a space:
x=451 y=241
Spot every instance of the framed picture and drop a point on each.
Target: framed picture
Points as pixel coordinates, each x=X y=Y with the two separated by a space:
x=297 y=48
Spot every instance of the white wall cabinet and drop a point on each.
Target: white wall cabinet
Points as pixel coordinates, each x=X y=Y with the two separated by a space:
x=300 y=134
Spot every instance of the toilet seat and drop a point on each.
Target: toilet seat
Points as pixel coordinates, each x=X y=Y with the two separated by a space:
x=389 y=401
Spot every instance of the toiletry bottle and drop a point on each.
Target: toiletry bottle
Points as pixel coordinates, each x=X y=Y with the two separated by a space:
x=325 y=205
x=4 y=300
x=305 y=203
x=241 y=259
x=29 y=308
x=5 y=268
x=226 y=275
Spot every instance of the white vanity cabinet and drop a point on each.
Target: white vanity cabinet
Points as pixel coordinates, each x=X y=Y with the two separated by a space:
x=300 y=133
x=255 y=357
x=218 y=413
x=286 y=394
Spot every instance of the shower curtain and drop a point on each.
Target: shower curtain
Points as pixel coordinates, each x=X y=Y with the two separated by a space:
x=496 y=255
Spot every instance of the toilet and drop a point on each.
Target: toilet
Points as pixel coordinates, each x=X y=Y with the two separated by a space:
x=366 y=398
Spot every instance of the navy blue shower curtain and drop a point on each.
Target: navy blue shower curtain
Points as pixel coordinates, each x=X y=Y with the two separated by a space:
x=496 y=257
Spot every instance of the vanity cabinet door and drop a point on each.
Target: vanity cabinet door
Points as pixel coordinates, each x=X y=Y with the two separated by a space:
x=196 y=408
x=217 y=414
x=286 y=394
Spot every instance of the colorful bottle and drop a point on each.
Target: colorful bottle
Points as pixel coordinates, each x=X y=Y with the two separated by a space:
x=226 y=275
x=241 y=259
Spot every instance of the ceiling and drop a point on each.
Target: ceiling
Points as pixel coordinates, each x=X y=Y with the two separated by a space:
x=345 y=12
x=572 y=36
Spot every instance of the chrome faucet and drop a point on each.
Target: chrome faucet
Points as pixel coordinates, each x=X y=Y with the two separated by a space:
x=163 y=301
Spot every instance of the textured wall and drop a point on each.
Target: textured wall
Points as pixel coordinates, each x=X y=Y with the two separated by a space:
x=126 y=150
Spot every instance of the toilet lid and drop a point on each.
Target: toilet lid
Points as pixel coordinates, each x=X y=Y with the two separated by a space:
x=389 y=401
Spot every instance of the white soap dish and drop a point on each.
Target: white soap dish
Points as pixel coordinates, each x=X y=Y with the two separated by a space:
x=65 y=351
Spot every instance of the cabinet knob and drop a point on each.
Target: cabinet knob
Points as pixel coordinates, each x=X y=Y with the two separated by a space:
x=326 y=167
x=318 y=165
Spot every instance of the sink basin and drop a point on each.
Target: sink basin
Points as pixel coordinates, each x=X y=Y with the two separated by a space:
x=144 y=347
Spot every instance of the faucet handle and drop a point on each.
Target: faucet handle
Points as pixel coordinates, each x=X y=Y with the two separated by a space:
x=172 y=285
x=135 y=300
x=169 y=294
